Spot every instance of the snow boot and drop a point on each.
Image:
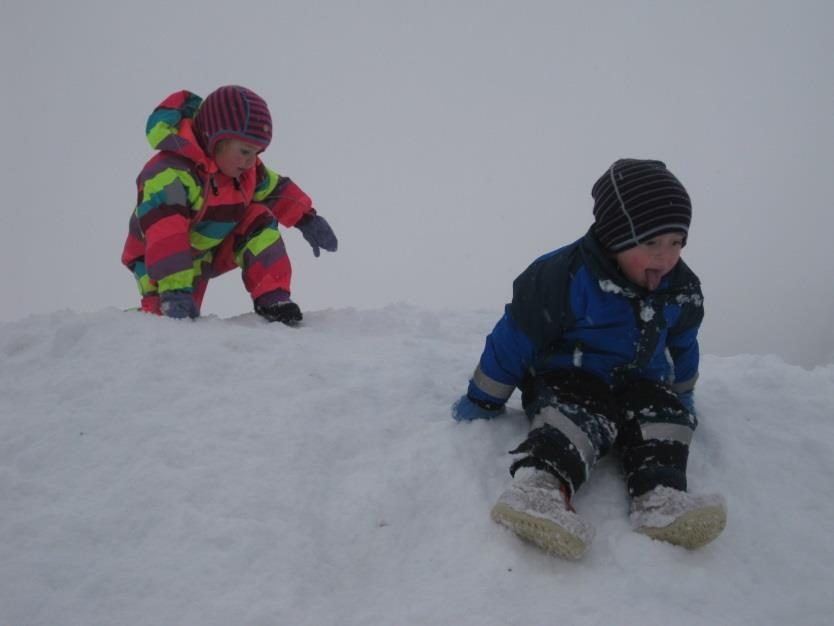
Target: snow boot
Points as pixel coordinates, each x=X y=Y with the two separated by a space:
x=536 y=507
x=286 y=312
x=678 y=517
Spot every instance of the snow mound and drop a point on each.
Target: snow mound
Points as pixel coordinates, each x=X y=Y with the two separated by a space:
x=229 y=471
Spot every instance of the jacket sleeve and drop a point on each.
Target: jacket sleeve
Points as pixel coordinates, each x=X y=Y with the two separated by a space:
x=683 y=345
x=507 y=355
x=533 y=319
x=166 y=203
x=287 y=202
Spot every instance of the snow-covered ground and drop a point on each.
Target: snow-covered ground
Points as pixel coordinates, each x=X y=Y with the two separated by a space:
x=162 y=472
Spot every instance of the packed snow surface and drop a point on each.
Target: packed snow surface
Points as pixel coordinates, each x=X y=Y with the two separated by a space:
x=230 y=471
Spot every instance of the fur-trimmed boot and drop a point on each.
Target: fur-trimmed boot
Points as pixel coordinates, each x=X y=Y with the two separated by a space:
x=536 y=507
x=678 y=517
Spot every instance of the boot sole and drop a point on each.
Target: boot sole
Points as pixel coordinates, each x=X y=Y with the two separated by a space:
x=692 y=529
x=545 y=534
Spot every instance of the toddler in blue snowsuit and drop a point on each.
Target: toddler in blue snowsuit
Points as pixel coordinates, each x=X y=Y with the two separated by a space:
x=601 y=337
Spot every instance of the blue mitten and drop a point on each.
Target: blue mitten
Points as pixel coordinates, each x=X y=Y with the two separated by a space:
x=464 y=410
x=318 y=233
x=687 y=399
x=178 y=304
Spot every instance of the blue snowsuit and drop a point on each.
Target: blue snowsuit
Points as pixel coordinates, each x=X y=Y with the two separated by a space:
x=598 y=360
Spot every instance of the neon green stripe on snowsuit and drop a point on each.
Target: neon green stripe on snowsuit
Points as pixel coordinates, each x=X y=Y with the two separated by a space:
x=201 y=242
x=143 y=281
x=166 y=186
x=260 y=242
x=266 y=185
x=177 y=280
x=162 y=127
x=146 y=287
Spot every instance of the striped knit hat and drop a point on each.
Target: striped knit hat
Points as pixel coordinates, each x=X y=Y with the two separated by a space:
x=233 y=112
x=636 y=200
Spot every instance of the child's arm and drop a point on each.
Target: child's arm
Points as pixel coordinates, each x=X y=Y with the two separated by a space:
x=507 y=355
x=501 y=366
x=533 y=319
x=685 y=352
x=282 y=196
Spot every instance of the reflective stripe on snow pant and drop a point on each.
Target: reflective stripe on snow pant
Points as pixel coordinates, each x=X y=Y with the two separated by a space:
x=655 y=437
x=576 y=418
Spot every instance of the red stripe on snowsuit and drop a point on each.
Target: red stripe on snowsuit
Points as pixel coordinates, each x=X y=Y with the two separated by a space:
x=167 y=238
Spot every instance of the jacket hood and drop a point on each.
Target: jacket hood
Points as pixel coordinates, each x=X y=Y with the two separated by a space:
x=170 y=127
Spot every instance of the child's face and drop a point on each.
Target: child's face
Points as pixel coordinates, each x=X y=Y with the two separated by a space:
x=645 y=264
x=234 y=157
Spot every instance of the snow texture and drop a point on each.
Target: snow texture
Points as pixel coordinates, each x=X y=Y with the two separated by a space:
x=229 y=471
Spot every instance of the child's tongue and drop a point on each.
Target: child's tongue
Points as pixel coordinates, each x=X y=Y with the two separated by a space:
x=653 y=279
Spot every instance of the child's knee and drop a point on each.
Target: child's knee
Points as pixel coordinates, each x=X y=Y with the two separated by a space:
x=573 y=424
x=572 y=389
x=644 y=396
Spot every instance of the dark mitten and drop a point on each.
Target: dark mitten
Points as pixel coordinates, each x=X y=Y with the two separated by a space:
x=178 y=304
x=318 y=233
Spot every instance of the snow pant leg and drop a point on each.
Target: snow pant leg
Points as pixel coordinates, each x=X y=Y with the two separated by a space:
x=258 y=249
x=655 y=436
x=574 y=423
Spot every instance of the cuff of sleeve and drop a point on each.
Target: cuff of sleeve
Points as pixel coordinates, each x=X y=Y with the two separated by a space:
x=686 y=385
x=486 y=388
x=485 y=404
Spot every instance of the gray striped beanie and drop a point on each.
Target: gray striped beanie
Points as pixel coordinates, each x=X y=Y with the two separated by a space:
x=636 y=200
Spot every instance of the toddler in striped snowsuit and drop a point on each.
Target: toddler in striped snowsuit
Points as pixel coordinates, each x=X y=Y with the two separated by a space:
x=207 y=204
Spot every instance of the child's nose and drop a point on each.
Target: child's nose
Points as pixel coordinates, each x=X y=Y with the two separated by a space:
x=666 y=255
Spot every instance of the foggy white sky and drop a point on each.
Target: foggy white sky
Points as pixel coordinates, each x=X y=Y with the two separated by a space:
x=448 y=143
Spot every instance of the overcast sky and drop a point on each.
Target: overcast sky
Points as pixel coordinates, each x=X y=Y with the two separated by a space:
x=448 y=144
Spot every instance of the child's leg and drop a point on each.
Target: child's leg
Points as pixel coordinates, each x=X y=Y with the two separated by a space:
x=572 y=415
x=655 y=437
x=256 y=246
x=574 y=423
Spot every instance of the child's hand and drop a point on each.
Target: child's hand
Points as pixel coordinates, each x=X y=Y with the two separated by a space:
x=464 y=410
x=178 y=304
x=318 y=233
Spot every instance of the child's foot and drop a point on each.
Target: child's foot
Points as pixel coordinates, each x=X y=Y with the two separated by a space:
x=286 y=312
x=678 y=517
x=537 y=508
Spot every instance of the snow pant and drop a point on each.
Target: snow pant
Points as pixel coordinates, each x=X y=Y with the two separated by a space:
x=577 y=418
x=255 y=246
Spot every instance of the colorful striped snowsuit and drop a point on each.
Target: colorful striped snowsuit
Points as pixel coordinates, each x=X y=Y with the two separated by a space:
x=192 y=222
